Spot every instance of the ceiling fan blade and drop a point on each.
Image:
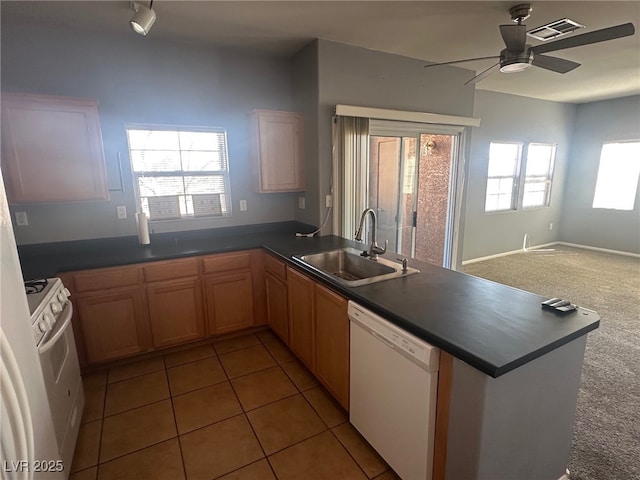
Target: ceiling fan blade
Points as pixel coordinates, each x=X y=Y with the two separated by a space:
x=460 y=61
x=514 y=36
x=555 y=64
x=588 y=38
x=484 y=74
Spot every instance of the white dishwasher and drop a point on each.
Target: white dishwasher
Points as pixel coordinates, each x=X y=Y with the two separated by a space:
x=393 y=389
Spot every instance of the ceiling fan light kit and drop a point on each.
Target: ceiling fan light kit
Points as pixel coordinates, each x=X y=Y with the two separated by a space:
x=519 y=56
x=515 y=64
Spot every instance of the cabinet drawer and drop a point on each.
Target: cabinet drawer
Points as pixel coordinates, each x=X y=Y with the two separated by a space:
x=227 y=262
x=105 y=278
x=275 y=267
x=170 y=270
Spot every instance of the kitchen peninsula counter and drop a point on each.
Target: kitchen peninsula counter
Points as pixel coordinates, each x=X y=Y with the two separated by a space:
x=491 y=327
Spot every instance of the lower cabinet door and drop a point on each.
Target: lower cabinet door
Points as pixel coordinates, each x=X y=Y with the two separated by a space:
x=277 y=311
x=175 y=312
x=332 y=343
x=229 y=302
x=301 y=302
x=113 y=324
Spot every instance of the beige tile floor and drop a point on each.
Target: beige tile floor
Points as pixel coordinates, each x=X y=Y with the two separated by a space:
x=242 y=408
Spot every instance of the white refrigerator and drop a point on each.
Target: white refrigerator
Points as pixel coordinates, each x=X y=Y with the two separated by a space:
x=28 y=446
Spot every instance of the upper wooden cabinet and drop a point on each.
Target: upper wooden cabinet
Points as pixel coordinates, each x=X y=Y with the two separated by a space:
x=278 y=151
x=52 y=149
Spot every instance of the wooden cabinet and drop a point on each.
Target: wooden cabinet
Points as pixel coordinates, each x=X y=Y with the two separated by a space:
x=319 y=332
x=229 y=302
x=52 y=149
x=332 y=343
x=174 y=300
x=229 y=291
x=110 y=316
x=124 y=311
x=175 y=311
x=277 y=297
x=113 y=325
x=278 y=151
x=301 y=317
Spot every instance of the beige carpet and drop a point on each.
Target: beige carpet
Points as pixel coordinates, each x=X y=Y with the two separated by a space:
x=606 y=443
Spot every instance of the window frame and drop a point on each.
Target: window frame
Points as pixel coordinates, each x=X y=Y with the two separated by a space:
x=548 y=178
x=635 y=183
x=515 y=178
x=520 y=177
x=225 y=195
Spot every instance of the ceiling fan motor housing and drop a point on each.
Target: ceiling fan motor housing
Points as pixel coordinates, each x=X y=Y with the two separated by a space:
x=520 y=12
x=511 y=62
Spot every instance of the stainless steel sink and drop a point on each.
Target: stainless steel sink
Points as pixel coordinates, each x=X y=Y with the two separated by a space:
x=350 y=268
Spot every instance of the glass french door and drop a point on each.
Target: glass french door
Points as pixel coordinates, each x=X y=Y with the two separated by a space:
x=412 y=187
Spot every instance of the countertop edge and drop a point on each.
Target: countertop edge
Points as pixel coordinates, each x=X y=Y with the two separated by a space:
x=286 y=255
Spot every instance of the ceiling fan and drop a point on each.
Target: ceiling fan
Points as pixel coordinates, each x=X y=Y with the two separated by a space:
x=519 y=56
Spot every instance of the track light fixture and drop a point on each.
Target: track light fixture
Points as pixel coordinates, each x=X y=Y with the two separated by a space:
x=143 y=19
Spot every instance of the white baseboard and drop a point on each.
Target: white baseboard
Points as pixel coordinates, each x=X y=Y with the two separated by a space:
x=598 y=249
x=545 y=245
x=504 y=254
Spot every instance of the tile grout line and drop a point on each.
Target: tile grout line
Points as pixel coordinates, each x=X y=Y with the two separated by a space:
x=104 y=408
x=175 y=420
x=244 y=413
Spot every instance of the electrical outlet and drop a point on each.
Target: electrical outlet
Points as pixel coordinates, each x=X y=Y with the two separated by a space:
x=121 y=211
x=550 y=226
x=243 y=205
x=301 y=203
x=21 y=219
x=328 y=201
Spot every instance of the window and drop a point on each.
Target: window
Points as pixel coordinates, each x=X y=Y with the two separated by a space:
x=504 y=161
x=618 y=174
x=180 y=172
x=504 y=182
x=537 y=181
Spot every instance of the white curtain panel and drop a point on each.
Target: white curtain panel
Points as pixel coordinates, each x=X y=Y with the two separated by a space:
x=350 y=150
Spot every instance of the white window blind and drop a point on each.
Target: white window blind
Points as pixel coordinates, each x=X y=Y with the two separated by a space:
x=180 y=172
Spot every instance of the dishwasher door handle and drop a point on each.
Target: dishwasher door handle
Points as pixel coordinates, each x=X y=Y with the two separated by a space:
x=383 y=339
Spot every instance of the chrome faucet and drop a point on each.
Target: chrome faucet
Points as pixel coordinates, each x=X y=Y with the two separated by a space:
x=374 y=249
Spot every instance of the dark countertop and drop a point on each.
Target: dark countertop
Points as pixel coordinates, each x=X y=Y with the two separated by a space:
x=492 y=327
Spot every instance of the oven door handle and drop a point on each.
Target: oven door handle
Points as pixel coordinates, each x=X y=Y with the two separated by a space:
x=61 y=325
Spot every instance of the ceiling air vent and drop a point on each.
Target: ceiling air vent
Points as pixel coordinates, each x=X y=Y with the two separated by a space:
x=554 y=29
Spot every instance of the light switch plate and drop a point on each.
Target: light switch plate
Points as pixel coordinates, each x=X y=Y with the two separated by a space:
x=243 y=205
x=301 y=203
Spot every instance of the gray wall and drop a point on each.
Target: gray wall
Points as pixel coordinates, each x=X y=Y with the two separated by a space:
x=513 y=118
x=304 y=81
x=516 y=426
x=142 y=80
x=596 y=123
x=357 y=76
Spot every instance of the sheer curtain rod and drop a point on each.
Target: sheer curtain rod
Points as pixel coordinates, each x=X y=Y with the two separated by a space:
x=405 y=116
